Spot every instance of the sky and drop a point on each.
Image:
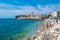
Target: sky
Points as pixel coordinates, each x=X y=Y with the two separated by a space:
x=11 y=8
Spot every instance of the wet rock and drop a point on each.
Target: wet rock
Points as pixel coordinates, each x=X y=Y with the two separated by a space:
x=27 y=39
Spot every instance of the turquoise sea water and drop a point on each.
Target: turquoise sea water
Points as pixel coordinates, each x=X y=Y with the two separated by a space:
x=13 y=29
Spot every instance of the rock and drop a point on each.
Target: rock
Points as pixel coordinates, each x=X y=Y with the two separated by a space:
x=27 y=39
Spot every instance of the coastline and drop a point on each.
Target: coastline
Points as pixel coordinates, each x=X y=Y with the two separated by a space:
x=35 y=35
x=40 y=32
x=37 y=32
x=54 y=32
x=24 y=36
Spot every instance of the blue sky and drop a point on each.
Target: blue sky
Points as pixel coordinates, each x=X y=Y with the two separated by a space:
x=11 y=8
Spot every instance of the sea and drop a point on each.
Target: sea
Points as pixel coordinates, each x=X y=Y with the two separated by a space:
x=16 y=29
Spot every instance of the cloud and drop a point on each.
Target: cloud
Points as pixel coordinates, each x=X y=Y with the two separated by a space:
x=16 y=1
x=8 y=6
x=7 y=10
x=49 y=8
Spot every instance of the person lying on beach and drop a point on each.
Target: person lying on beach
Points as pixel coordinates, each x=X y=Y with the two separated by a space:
x=44 y=27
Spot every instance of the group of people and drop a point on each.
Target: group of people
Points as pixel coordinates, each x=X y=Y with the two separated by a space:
x=48 y=24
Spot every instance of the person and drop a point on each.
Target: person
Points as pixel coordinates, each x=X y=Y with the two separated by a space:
x=57 y=21
x=44 y=27
x=47 y=24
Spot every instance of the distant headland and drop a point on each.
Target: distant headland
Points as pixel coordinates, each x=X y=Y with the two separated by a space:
x=39 y=17
x=29 y=16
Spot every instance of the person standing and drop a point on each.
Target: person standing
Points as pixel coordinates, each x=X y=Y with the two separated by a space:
x=57 y=20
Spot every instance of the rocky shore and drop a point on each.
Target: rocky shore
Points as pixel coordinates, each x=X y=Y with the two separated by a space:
x=51 y=33
x=47 y=32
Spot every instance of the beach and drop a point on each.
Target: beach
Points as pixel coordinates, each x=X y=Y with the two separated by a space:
x=49 y=34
